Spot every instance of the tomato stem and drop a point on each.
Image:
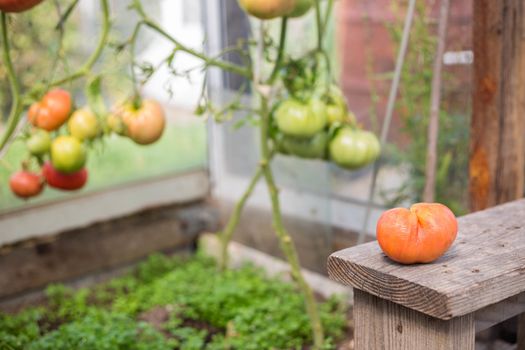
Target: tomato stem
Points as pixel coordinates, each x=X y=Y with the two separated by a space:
x=319 y=25
x=286 y=243
x=209 y=61
x=327 y=16
x=85 y=69
x=14 y=85
x=233 y=222
x=280 y=53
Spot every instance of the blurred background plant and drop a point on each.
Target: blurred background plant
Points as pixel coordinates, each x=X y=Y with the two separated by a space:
x=413 y=107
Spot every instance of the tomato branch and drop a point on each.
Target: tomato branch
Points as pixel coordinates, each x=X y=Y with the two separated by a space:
x=14 y=85
x=327 y=15
x=319 y=25
x=286 y=243
x=65 y=16
x=86 y=67
x=18 y=100
x=209 y=61
x=227 y=234
x=133 y=42
x=280 y=53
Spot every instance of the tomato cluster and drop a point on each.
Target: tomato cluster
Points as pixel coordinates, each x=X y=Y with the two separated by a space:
x=322 y=127
x=60 y=136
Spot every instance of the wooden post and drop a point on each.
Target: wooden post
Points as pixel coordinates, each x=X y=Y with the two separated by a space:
x=521 y=332
x=498 y=115
x=382 y=324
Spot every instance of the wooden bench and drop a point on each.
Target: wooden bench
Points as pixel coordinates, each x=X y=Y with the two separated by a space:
x=478 y=283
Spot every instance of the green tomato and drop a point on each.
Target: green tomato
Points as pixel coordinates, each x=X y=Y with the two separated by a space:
x=38 y=142
x=295 y=118
x=301 y=8
x=353 y=149
x=83 y=124
x=68 y=155
x=314 y=147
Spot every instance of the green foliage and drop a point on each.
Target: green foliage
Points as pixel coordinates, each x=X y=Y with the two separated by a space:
x=102 y=330
x=22 y=329
x=239 y=309
x=413 y=107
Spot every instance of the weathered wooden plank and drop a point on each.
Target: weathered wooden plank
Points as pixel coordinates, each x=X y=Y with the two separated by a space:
x=485 y=265
x=498 y=108
x=33 y=264
x=499 y=312
x=381 y=324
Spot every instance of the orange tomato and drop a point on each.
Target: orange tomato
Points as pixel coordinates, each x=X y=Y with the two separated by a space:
x=52 y=111
x=17 y=5
x=419 y=235
x=143 y=124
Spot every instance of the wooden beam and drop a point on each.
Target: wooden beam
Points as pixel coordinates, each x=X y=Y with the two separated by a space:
x=497 y=157
x=499 y=312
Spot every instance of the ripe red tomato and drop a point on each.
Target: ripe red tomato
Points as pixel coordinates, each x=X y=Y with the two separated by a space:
x=419 y=235
x=144 y=124
x=268 y=9
x=67 y=182
x=25 y=184
x=52 y=111
x=17 y=5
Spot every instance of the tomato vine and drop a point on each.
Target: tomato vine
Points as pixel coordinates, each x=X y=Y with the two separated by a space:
x=264 y=90
x=20 y=99
x=299 y=80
